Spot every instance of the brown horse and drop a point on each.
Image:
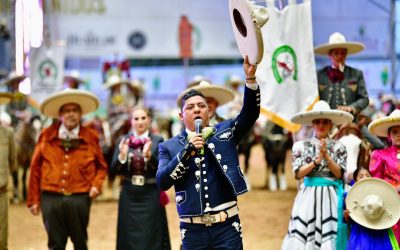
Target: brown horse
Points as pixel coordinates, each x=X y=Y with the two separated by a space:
x=26 y=135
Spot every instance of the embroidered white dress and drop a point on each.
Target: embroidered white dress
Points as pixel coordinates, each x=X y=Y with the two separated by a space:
x=313 y=222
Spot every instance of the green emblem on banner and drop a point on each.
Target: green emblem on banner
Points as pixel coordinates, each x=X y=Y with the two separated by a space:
x=284 y=63
x=48 y=70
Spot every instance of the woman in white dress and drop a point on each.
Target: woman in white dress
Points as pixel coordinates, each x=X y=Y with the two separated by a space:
x=321 y=161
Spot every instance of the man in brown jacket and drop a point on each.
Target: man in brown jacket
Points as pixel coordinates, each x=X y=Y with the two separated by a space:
x=67 y=169
x=7 y=165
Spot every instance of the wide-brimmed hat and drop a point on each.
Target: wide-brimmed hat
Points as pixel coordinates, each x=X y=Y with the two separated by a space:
x=222 y=94
x=85 y=99
x=234 y=80
x=196 y=80
x=380 y=127
x=5 y=97
x=321 y=110
x=338 y=41
x=114 y=80
x=73 y=77
x=373 y=203
x=247 y=20
x=14 y=78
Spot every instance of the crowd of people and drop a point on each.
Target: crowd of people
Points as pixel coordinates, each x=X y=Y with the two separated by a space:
x=71 y=161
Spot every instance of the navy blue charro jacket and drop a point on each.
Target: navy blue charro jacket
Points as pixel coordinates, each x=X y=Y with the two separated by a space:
x=213 y=178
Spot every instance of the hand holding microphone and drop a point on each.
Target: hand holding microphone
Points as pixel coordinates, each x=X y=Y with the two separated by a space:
x=197 y=140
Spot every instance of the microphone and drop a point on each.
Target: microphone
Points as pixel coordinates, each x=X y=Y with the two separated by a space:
x=198 y=125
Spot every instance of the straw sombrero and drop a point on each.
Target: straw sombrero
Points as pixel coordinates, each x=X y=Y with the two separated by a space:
x=380 y=127
x=338 y=41
x=234 y=80
x=222 y=94
x=247 y=20
x=114 y=80
x=85 y=99
x=196 y=80
x=374 y=203
x=5 y=97
x=321 y=110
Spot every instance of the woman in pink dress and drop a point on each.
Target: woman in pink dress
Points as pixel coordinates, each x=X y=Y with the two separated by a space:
x=385 y=163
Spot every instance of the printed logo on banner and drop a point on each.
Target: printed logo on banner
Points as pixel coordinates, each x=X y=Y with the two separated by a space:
x=137 y=40
x=48 y=71
x=284 y=63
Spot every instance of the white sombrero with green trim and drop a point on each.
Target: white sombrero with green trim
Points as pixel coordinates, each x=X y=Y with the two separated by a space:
x=321 y=110
x=85 y=99
x=380 y=127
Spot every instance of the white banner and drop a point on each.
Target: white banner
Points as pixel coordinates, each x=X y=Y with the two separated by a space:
x=287 y=74
x=47 y=71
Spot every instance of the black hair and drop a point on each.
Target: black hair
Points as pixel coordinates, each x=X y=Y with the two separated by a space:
x=359 y=168
x=190 y=94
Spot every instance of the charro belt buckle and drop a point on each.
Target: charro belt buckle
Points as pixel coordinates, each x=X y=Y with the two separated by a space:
x=208 y=219
x=138 y=180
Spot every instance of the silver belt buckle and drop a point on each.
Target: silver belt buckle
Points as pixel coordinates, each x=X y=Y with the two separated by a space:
x=208 y=219
x=138 y=180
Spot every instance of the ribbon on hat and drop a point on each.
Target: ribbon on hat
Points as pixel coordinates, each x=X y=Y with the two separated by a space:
x=205 y=133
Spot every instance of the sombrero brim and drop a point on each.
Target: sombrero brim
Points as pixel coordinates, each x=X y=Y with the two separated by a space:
x=374 y=186
x=85 y=99
x=352 y=47
x=14 y=80
x=380 y=127
x=108 y=85
x=5 y=98
x=73 y=79
x=336 y=116
x=248 y=36
x=222 y=94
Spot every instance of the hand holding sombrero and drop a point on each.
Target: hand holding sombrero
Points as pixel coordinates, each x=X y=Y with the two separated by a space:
x=247 y=20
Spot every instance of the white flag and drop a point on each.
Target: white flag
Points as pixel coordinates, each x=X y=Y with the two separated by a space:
x=46 y=71
x=287 y=74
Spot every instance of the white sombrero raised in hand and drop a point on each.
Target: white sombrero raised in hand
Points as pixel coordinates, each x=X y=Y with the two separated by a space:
x=373 y=203
x=380 y=127
x=321 y=110
x=338 y=41
x=247 y=20
x=222 y=94
x=85 y=99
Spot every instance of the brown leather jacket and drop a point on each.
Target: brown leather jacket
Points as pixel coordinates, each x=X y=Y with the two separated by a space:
x=56 y=169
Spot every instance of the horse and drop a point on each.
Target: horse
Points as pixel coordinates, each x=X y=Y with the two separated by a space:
x=26 y=136
x=276 y=142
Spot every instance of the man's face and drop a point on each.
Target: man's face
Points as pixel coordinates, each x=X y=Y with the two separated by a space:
x=70 y=115
x=140 y=121
x=338 y=57
x=195 y=107
x=212 y=106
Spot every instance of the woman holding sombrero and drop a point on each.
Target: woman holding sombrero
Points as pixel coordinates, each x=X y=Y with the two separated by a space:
x=321 y=162
x=385 y=163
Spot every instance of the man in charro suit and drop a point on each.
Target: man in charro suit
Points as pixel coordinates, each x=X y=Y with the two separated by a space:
x=340 y=85
x=204 y=169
